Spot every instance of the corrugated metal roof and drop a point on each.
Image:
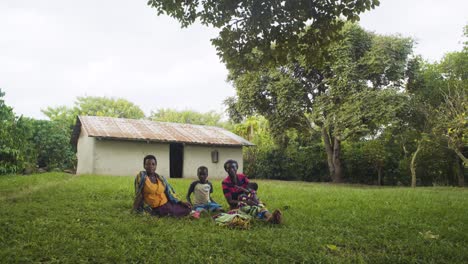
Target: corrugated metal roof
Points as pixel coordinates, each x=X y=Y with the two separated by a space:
x=145 y=130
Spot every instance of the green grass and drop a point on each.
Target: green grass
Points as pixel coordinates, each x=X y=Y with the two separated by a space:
x=64 y=218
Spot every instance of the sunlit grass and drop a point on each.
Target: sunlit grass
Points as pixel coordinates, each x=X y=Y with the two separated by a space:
x=65 y=218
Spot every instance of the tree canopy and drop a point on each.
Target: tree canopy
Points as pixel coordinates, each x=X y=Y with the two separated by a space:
x=273 y=28
x=210 y=118
x=351 y=93
x=94 y=106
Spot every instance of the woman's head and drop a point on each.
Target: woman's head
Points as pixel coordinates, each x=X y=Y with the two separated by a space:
x=231 y=166
x=150 y=163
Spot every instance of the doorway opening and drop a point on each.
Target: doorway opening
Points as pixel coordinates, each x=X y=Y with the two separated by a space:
x=176 y=160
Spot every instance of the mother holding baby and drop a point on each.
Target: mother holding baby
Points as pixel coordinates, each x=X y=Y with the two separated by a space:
x=235 y=185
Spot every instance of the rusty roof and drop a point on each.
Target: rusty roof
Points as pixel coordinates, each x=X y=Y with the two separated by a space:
x=146 y=130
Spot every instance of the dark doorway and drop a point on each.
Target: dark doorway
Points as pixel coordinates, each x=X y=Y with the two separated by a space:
x=176 y=156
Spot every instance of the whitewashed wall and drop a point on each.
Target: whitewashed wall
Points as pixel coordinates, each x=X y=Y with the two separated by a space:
x=197 y=155
x=125 y=158
x=85 y=154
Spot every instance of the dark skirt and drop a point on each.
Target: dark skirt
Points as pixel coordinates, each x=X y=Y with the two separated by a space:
x=171 y=209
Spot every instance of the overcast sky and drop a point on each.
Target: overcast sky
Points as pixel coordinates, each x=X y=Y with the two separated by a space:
x=52 y=51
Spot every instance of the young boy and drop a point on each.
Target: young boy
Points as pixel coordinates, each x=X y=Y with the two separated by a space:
x=201 y=190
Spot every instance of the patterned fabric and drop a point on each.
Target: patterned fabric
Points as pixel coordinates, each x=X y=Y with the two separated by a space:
x=139 y=184
x=233 y=219
x=250 y=196
x=254 y=210
x=229 y=188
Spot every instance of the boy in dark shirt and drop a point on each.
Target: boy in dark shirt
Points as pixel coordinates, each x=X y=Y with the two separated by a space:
x=202 y=190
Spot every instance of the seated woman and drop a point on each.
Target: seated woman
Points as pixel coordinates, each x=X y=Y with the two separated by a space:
x=235 y=186
x=155 y=195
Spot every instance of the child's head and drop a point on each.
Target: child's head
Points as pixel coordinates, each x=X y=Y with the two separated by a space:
x=202 y=173
x=252 y=186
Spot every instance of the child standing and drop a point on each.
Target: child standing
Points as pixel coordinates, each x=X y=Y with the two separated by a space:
x=202 y=190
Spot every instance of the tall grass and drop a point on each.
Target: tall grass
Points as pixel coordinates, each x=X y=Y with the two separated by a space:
x=64 y=218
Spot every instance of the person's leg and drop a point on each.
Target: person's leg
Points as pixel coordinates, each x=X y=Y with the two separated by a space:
x=214 y=207
x=277 y=217
x=200 y=208
x=179 y=210
x=171 y=209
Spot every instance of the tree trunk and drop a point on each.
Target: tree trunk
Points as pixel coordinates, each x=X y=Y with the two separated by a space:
x=413 y=165
x=460 y=172
x=329 y=150
x=338 y=177
x=333 y=150
x=379 y=175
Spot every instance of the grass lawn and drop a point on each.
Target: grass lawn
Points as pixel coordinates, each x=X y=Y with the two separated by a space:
x=65 y=218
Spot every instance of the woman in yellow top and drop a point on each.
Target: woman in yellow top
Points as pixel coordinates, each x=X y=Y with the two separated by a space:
x=155 y=195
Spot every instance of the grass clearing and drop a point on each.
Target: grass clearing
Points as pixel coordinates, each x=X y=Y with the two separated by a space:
x=57 y=217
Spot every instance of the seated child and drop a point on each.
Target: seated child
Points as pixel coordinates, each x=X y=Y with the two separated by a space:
x=250 y=194
x=201 y=190
x=252 y=205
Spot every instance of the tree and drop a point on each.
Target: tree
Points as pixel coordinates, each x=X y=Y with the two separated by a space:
x=210 y=118
x=274 y=28
x=15 y=153
x=94 y=106
x=52 y=138
x=353 y=92
x=452 y=113
x=440 y=91
x=51 y=142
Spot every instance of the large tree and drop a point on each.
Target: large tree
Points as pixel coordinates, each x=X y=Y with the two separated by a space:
x=94 y=106
x=15 y=152
x=275 y=28
x=439 y=90
x=351 y=93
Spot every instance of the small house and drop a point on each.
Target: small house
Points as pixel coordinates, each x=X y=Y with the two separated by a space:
x=117 y=146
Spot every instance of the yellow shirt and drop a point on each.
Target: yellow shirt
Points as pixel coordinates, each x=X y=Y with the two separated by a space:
x=153 y=193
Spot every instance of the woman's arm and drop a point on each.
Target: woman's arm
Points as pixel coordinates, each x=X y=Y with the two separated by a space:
x=232 y=203
x=138 y=202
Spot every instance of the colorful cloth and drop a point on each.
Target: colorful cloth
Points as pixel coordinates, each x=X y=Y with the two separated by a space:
x=254 y=210
x=229 y=188
x=250 y=196
x=139 y=184
x=233 y=219
x=153 y=193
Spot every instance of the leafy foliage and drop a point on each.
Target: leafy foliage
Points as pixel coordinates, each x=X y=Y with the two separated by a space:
x=51 y=140
x=273 y=28
x=94 y=106
x=350 y=94
x=187 y=117
x=15 y=153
